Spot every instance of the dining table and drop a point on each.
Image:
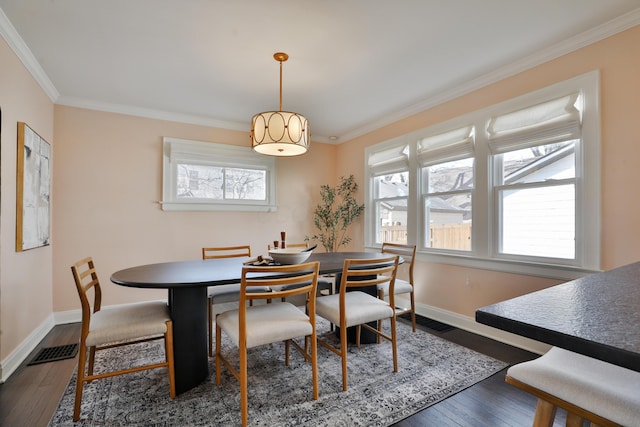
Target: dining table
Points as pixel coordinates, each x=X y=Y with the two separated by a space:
x=597 y=315
x=187 y=283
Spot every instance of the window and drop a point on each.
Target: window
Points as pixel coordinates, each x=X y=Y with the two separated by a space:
x=447 y=175
x=207 y=176
x=533 y=153
x=536 y=196
x=512 y=187
x=390 y=205
x=390 y=192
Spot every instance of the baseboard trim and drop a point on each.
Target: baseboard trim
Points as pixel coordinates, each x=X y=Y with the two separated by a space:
x=469 y=324
x=20 y=354
x=69 y=316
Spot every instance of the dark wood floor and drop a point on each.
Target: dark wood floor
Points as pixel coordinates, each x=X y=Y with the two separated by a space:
x=29 y=397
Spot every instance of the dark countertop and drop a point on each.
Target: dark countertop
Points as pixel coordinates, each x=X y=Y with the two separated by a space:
x=597 y=315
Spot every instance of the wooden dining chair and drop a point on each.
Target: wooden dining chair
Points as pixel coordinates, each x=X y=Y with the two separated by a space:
x=408 y=254
x=353 y=307
x=257 y=325
x=223 y=293
x=115 y=327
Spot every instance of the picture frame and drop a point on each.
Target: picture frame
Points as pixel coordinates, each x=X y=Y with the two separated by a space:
x=33 y=192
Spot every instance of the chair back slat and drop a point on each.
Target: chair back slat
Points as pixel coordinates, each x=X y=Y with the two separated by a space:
x=226 y=252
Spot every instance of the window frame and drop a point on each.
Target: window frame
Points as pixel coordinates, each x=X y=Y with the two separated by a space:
x=446 y=146
x=376 y=200
x=484 y=253
x=386 y=158
x=178 y=151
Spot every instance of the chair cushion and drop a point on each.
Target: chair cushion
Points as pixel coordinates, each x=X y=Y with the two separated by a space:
x=361 y=308
x=266 y=323
x=605 y=389
x=128 y=322
x=401 y=287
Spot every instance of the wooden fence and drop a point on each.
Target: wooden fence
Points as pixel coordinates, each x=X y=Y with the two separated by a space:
x=393 y=234
x=442 y=236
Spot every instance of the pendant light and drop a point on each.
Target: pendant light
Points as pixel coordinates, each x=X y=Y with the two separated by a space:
x=280 y=133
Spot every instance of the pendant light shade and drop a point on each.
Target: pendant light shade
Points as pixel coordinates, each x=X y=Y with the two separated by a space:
x=280 y=133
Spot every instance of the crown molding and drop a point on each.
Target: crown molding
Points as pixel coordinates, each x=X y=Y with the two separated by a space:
x=617 y=25
x=151 y=113
x=22 y=51
x=601 y=32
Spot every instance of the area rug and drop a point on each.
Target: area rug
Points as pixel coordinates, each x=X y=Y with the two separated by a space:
x=430 y=370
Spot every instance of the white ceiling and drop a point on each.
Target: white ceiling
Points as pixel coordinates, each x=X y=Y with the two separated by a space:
x=354 y=64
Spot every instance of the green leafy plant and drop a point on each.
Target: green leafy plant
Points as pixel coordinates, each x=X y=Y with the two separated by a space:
x=335 y=213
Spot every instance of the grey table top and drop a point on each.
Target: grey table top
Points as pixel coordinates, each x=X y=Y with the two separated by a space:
x=597 y=315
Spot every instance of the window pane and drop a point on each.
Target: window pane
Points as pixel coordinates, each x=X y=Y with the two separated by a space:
x=392 y=185
x=245 y=184
x=218 y=183
x=449 y=221
x=450 y=176
x=539 y=164
x=392 y=221
x=198 y=181
x=391 y=207
x=539 y=221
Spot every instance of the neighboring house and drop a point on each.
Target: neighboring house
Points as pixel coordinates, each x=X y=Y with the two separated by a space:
x=535 y=218
x=394 y=212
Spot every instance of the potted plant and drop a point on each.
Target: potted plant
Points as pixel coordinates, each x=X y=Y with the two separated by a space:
x=335 y=213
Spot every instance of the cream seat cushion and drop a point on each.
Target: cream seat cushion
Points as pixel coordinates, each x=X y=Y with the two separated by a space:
x=128 y=322
x=361 y=308
x=605 y=389
x=266 y=323
x=401 y=287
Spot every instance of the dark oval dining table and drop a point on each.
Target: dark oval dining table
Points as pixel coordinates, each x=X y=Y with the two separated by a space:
x=187 y=282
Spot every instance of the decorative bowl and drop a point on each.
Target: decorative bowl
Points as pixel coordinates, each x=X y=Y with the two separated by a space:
x=289 y=255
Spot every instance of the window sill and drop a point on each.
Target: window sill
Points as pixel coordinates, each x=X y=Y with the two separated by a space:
x=197 y=206
x=550 y=271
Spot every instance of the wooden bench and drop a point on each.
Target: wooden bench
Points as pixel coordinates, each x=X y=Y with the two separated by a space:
x=588 y=389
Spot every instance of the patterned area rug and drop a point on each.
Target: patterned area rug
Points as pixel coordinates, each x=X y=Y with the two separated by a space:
x=430 y=370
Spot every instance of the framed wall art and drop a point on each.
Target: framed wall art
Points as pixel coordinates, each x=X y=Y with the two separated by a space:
x=33 y=207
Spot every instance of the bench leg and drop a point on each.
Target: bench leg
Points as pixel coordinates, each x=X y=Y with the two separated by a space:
x=545 y=414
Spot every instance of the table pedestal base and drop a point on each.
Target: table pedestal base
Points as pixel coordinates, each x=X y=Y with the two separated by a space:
x=188 y=308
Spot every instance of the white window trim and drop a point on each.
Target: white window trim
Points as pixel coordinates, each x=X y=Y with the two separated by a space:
x=177 y=150
x=588 y=205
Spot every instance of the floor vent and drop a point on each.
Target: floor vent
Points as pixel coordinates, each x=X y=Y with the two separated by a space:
x=51 y=354
x=428 y=323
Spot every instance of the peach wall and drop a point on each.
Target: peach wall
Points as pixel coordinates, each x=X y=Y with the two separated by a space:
x=25 y=277
x=618 y=59
x=107 y=184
